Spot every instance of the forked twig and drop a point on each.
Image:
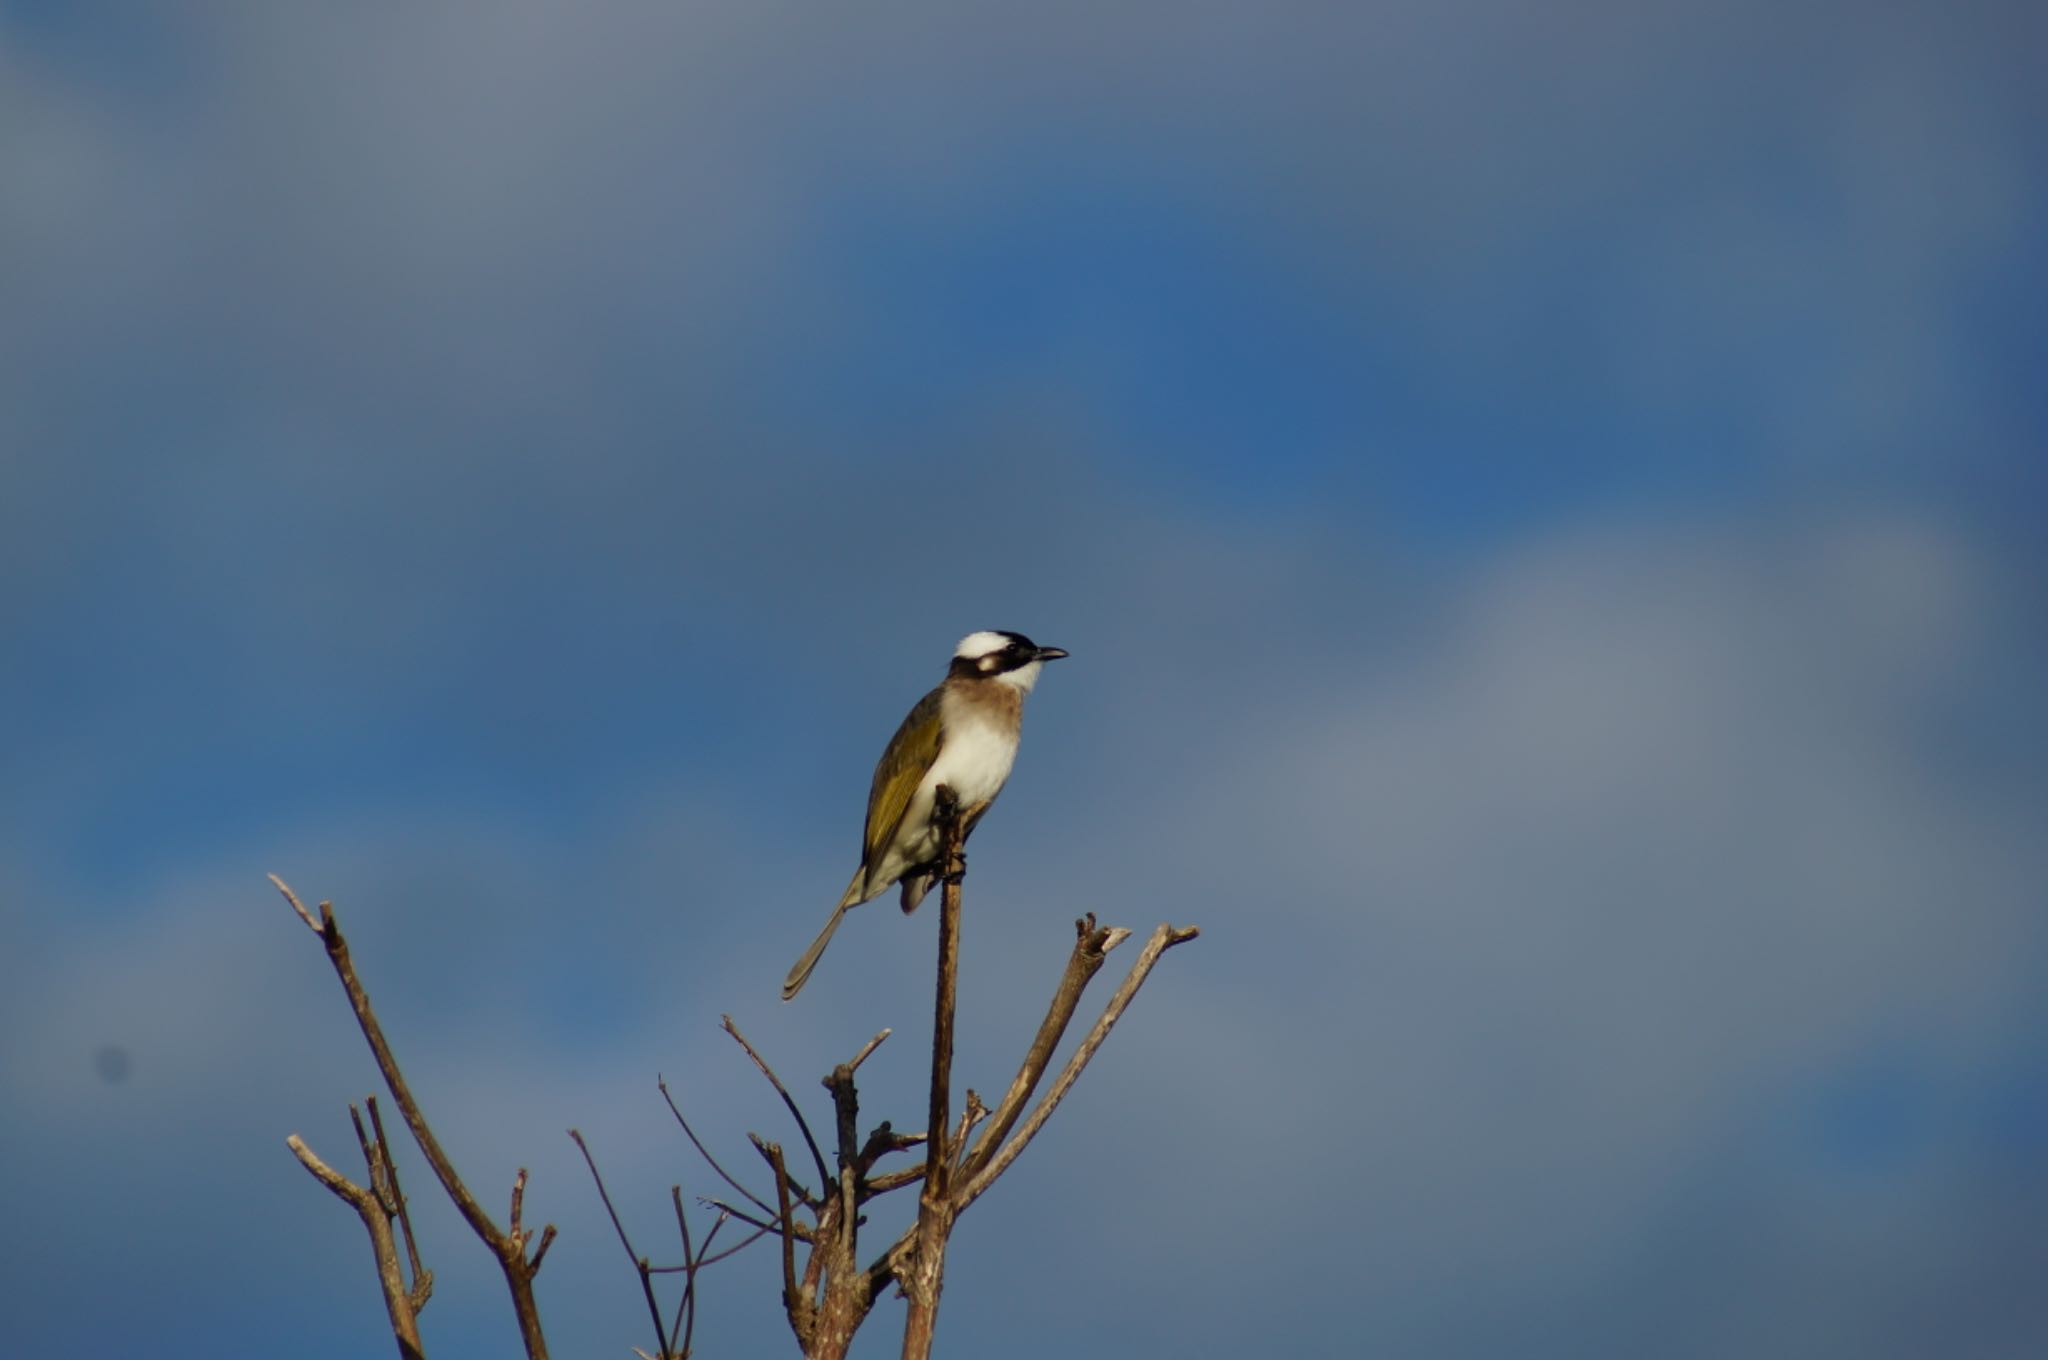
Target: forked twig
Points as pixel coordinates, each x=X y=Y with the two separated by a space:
x=509 y=1247
x=1163 y=939
x=422 y=1280
x=399 y=1304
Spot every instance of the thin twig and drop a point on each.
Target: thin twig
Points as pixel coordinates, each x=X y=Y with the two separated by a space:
x=737 y=1247
x=885 y=1140
x=380 y=1049
x=817 y=1158
x=1163 y=939
x=969 y=1119
x=675 y=1194
x=765 y=1225
x=398 y=1305
x=895 y=1180
x=705 y=1152
x=867 y=1048
x=792 y=1301
x=422 y=1280
x=639 y=1261
x=683 y=1305
x=510 y=1249
x=796 y=1187
x=1092 y=944
x=704 y=1258
x=297 y=905
x=369 y=1151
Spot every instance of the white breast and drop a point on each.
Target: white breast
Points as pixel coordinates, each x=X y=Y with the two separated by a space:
x=974 y=761
x=976 y=757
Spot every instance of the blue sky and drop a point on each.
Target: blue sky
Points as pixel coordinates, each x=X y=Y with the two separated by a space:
x=1545 y=507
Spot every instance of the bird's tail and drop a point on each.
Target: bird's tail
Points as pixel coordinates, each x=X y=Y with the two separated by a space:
x=801 y=974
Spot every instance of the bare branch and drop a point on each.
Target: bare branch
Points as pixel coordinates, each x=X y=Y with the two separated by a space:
x=705 y=1153
x=675 y=1194
x=895 y=1180
x=686 y=1306
x=510 y=1249
x=920 y=1268
x=1092 y=944
x=885 y=1140
x=969 y=1119
x=769 y=1152
x=952 y=822
x=845 y=1203
x=866 y=1049
x=547 y=1239
x=817 y=1158
x=398 y=1300
x=422 y=1280
x=1163 y=939
x=764 y=1224
x=793 y=1302
x=298 y=906
x=329 y=931
x=639 y=1261
x=737 y=1247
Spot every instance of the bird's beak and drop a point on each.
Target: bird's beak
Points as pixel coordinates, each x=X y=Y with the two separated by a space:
x=1051 y=653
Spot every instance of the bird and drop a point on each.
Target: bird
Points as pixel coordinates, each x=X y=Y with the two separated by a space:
x=962 y=735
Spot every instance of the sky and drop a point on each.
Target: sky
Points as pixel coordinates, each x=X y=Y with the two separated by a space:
x=1544 y=503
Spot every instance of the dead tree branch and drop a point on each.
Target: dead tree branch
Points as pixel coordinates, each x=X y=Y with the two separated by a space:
x=920 y=1269
x=1091 y=946
x=401 y=1304
x=508 y=1245
x=817 y=1159
x=640 y=1263
x=671 y=1342
x=423 y=1280
x=835 y=1292
x=705 y=1153
x=1163 y=939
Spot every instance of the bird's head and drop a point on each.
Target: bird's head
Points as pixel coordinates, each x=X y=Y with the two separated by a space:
x=1008 y=658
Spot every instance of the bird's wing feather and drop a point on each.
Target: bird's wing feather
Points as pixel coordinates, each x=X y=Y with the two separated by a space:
x=904 y=764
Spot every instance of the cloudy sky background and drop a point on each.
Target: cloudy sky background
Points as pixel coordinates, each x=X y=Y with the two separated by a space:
x=1545 y=503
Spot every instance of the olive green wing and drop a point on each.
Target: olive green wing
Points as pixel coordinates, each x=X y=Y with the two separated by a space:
x=909 y=756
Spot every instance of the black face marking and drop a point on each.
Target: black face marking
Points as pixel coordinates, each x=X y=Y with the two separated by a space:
x=1019 y=651
x=1016 y=652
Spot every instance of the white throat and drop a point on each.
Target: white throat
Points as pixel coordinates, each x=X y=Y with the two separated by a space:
x=1023 y=678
